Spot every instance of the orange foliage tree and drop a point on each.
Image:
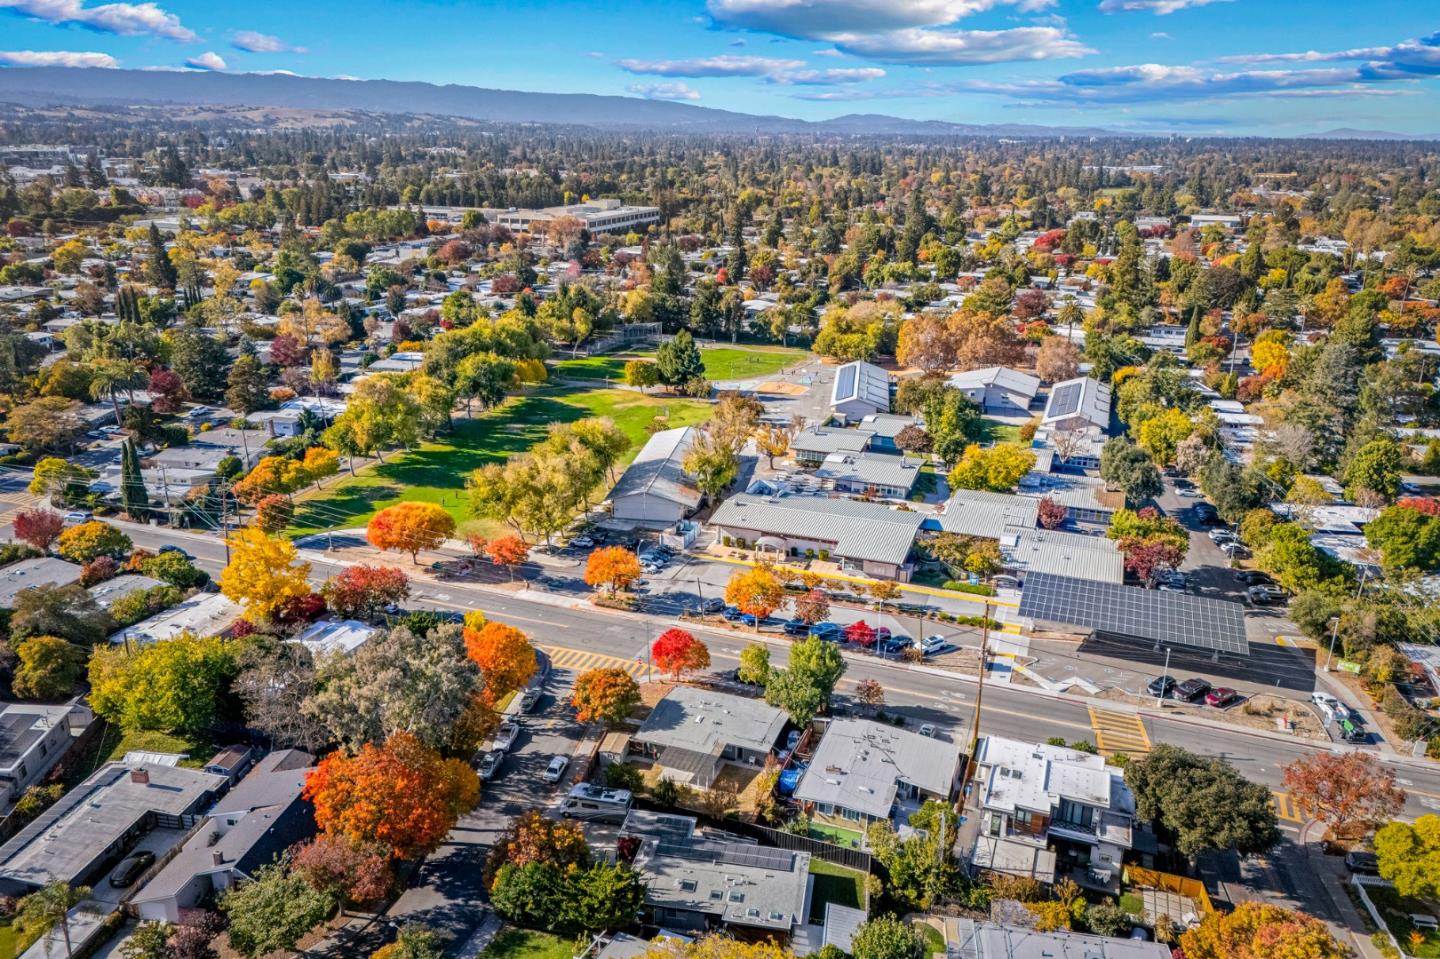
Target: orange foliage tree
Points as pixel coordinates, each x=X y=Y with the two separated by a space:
x=1258 y=930
x=410 y=527
x=613 y=567
x=1347 y=792
x=402 y=795
x=505 y=657
x=605 y=695
x=757 y=591
x=676 y=651
x=508 y=551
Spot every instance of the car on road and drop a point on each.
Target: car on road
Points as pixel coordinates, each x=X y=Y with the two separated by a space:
x=77 y=516
x=1189 y=493
x=582 y=542
x=490 y=765
x=529 y=698
x=1160 y=685
x=931 y=645
x=1190 y=690
x=556 y=770
x=1329 y=706
x=712 y=605
x=1221 y=696
x=830 y=632
x=927 y=730
x=1205 y=514
x=1266 y=594
x=1218 y=536
x=732 y=613
x=130 y=868
x=505 y=736
x=1233 y=548
x=198 y=411
x=172 y=548
x=1251 y=577
x=551 y=582
x=796 y=627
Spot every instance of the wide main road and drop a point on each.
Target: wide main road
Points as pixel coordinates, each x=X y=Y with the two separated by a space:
x=581 y=638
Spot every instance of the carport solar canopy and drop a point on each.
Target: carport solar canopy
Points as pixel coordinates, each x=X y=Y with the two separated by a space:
x=1129 y=611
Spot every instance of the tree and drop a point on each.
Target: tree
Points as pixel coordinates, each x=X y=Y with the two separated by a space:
x=175 y=685
x=1057 y=360
x=677 y=651
x=509 y=552
x=754 y=664
x=247 y=386
x=69 y=612
x=1161 y=435
x=678 y=360
x=263 y=574
x=39 y=527
x=613 y=567
x=1202 y=803
x=48 y=668
x=348 y=871
x=886 y=937
x=641 y=374
x=1126 y=466
x=606 y=695
x=999 y=468
x=85 y=541
x=273 y=513
x=160 y=270
x=1145 y=560
x=922 y=865
x=812 y=607
x=1348 y=792
x=870 y=692
x=1407 y=536
x=1052 y=515
x=414 y=941
x=1257 y=930
x=756 y=591
x=1409 y=855
x=804 y=687
x=49 y=906
x=363 y=592
x=410 y=527
x=505 y=657
x=713 y=463
x=913 y=439
x=773 y=441
x=133 y=497
x=49 y=423
x=54 y=476
x=274 y=683
x=402 y=795
x=1376 y=466
x=273 y=910
x=150 y=940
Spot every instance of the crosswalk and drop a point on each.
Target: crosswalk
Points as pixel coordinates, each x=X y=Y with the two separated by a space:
x=580 y=661
x=1287 y=809
x=1119 y=733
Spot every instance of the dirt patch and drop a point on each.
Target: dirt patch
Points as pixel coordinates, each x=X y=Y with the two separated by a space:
x=1262 y=711
x=782 y=389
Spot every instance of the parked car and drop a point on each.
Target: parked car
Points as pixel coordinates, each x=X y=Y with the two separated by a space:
x=1362 y=862
x=732 y=613
x=931 y=645
x=1218 y=536
x=1205 y=514
x=1233 y=548
x=927 y=730
x=712 y=605
x=1351 y=731
x=796 y=627
x=529 y=698
x=1266 y=594
x=130 y=868
x=490 y=765
x=1330 y=707
x=830 y=632
x=77 y=516
x=1190 y=690
x=1160 y=685
x=198 y=411
x=1190 y=492
x=556 y=770
x=582 y=542
x=505 y=736
x=1221 y=696
x=1251 y=577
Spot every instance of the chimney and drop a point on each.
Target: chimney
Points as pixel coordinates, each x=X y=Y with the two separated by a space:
x=140 y=777
x=217 y=857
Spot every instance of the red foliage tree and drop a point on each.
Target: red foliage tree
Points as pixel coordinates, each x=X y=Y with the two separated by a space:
x=98 y=570
x=286 y=350
x=38 y=527
x=167 y=391
x=1350 y=793
x=301 y=609
x=1051 y=514
x=361 y=592
x=505 y=657
x=274 y=512
x=1421 y=504
x=860 y=633
x=509 y=552
x=354 y=872
x=1145 y=559
x=677 y=651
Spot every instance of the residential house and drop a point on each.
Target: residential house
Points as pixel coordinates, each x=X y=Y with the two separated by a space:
x=811 y=445
x=692 y=733
x=29 y=573
x=327 y=635
x=998 y=390
x=860 y=389
x=252 y=826
x=1077 y=405
x=872 y=539
x=976 y=939
x=655 y=489
x=1047 y=808
x=883 y=429
x=204 y=614
x=871 y=475
x=118 y=587
x=33 y=737
x=864 y=771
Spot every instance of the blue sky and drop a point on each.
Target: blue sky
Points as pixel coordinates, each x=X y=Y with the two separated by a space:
x=1275 y=67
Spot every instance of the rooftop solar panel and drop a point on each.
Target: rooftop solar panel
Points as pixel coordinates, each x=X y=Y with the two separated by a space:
x=845 y=382
x=1209 y=624
x=1066 y=400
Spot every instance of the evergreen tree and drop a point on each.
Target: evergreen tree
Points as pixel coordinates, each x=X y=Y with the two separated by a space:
x=162 y=271
x=247 y=389
x=133 y=497
x=679 y=360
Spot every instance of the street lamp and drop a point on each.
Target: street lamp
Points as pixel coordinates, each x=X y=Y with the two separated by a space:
x=1334 y=632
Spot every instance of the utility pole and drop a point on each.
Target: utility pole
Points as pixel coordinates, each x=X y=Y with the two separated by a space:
x=1334 y=632
x=1160 y=698
x=979 y=700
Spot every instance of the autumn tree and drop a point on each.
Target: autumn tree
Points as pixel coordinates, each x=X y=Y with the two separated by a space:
x=402 y=795
x=1051 y=514
x=1258 y=930
x=179 y=684
x=613 y=567
x=86 y=541
x=263 y=573
x=1057 y=360
x=348 y=871
x=48 y=668
x=1349 y=792
x=505 y=657
x=641 y=374
x=998 y=468
x=363 y=592
x=756 y=591
x=870 y=692
x=773 y=441
x=410 y=527
x=677 y=651
x=39 y=527
x=606 y=695
x=273 y=513
x=509 y=552
x=1409 y=855
x=812 y=607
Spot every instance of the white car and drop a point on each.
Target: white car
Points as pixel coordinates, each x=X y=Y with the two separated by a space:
x=77 y=516
x=1329 y=706
x=1190 y=493
x=582 y=542
x=505 y=737
x=931 y=645
x=556 y=770
x=490 y=765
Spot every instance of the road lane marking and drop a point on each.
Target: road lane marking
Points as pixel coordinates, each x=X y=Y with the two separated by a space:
x=1287 y=808
x=1119 y=732
x=583 y=661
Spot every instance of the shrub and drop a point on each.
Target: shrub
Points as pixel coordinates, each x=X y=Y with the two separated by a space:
x=623 y=776
x=727 y=541
x=824 y=555
x=666 y=793
x=809 y=553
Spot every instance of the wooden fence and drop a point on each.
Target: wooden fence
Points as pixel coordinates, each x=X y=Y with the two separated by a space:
x=1169 y=882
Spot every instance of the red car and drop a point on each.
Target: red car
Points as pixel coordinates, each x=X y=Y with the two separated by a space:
x=1221 y=697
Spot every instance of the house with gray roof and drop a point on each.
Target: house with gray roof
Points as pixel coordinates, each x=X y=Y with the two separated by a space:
x=30 y=573
x=864 y=771
x=884 y=427
x=868 y=538
x=998 y=389
x=860 y=389
x=870 y=474
x=655 y=489
x=811 y=445
x=117 y=587
x=982 y=513
x=692 y=733
x=1085 y=498
x=33 y=738
x=1078 y=404
x=1065 y=554
x=974 y=939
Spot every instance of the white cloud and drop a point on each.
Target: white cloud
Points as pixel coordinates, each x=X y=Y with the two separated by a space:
x=664 y=91
x=209 y=60
x=1161 y=35
x=827 y=53
x=1158 y=7
x=817 y=19
x=57 y=58
x=125 y=19
x=962 y=47
x=252 y=41
x=817 y=78
x=722 y=66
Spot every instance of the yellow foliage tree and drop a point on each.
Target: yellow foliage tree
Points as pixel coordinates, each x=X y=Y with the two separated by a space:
x=263 y=573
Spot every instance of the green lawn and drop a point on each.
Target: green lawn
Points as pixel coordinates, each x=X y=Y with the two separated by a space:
x=1396 y=910
x=997 y=432
x=844 y=887
x=721 y=363
x=1132 y=903
x=146 y=741
x=840 y=837
x=934 y=942
x=8 y=941
x=436 y=472
x=528 y=944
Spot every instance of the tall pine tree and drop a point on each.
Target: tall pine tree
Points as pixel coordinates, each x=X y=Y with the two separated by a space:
x=162 y=271
x=133 y=498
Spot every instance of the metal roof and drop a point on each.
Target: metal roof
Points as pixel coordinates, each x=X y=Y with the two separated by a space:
x=740 y=883
x=982 y=513
x=859 y=530
x=656 y=470
x=1082 y=396
x=705 y=722
x=1002 y=376
x=1162 y=617
x=864 y=382
x=828 y=439
x=878 y=470
x=1033 y=551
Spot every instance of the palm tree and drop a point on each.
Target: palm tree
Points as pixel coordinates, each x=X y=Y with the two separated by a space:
x=109 y=376
x=49 y=906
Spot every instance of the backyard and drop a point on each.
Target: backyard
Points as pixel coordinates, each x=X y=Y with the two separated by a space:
x=844 y=887
x=721 y=363
x=528 y=944
x=435 y=472
x=1396 y=911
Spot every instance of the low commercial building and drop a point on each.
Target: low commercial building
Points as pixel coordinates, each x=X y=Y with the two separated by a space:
x=695 y=885
x=118 y=587
x=982 y=513
x=813 y=444
x=655 y=489
x=204 y=614
x=864 y=771
x=868 y=538
x=974 y=939
x=1094 y=558
x=860 y=390
x=1085 y=498
x=998 y=389
x=883 y=429
x=33 y=738
x=30 y=573
x=597 y=216
x=872 y=475
x=692 y=733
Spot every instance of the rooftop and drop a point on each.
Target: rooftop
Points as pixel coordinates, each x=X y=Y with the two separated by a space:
x=830 y=439
x=705 y=722
x=872 y=469
x=1035 y=776
x=1083 y=397
x=22 y=725
x=204 y=614
x=859 y=761
x=969 y=939
x=859 y=530
x=1002 y=376
x=982 y=513
x=656 y=470
x=335 y=635
x=29 y=573
x=863 y=382
x=740 y=883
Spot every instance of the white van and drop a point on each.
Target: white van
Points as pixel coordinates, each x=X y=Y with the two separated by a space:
x=591 y=803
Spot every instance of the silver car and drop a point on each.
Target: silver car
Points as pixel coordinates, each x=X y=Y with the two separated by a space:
x=556 y=770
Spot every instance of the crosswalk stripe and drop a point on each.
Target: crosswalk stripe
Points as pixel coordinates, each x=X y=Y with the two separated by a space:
x=1287 y=808
x=581 y=661
x=1119 y=732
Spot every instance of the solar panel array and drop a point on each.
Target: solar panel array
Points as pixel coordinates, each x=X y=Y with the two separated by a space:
x=1163 y=617
x=728 y=853
x=1066 y=400
x=845 y=381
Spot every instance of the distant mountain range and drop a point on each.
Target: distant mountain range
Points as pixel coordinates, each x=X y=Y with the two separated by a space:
x=1349 y=133
x=55 y=86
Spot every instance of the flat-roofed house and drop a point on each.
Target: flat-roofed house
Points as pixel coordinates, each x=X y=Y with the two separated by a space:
x=864 y=771
x=692 y=733
x=698 y=884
